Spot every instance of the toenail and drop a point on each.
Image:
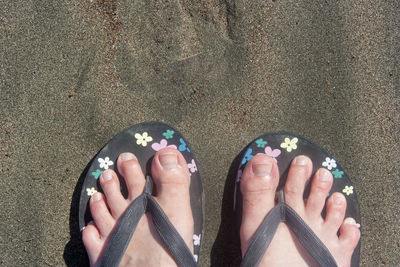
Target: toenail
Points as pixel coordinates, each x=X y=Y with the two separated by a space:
x=300 y=160
x=169 y=161
x=351 y=221
x=262 y=170
x=107 y=176
x=323 y=175
x=337 y=200
x=126 y=156
x=96 y=196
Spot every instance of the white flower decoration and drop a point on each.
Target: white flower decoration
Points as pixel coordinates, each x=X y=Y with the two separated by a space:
x=91 y=191
x=196 y=239
x=104 y=163
x=196 y=258
x=142 y=139
x=290 y=144
x=348 y=190
x=329 y=163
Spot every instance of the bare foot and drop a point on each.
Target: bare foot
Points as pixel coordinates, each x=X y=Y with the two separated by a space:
x=171 y=176
x=258 y=184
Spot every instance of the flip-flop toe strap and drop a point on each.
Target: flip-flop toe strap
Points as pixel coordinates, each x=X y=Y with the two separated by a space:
x=121 y=236
x=264 y=234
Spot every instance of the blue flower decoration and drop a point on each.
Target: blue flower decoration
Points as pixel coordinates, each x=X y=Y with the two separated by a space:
x=247 y=156
x=168 y=134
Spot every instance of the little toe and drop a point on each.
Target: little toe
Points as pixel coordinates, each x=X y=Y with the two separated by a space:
x=320 y=187
x=130 y=169
x=335 y=211
x=258 y=184
x=299 y=172
x=349 y=234
x=101 y=216
x=93 y=243
x=111 y=187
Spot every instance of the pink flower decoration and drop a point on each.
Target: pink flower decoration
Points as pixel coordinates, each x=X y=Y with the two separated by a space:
x=192 y=166
x=272 y=153
x=163 y=144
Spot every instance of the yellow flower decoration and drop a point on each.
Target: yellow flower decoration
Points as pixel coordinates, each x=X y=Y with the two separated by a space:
x=348 y=190
x=142 y=139
x=91 y=191
x=290 y=144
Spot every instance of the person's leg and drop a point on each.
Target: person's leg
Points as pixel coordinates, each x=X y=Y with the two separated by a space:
x=258 y=184
x=172 y=179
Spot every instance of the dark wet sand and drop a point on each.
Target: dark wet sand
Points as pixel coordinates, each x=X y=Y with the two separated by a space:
x=74 y=73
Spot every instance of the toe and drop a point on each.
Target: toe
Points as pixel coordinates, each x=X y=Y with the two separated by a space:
x=320 y=187
x=93 y=243
x=130 y=169
x=101 y=216
x=299 y=172
x=111 y=187
x=349 y=234
x=258 y=184
x=171 y=175
x=335 y=211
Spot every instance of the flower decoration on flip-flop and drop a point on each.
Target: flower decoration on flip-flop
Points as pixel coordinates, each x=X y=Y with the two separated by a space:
x=96 y=174
x=274 y=153
x=348 y=190
x=163 y=143
x=192 y=166
x=337 y=174
x=143 y=139
x=105 y=163
x=247 y=156
x=168 y=134
x=260 y=142
x=239 y=175
x=183 y=146
x=196 y=239
x=91 y=191
x=290 y=145
x=329 y=163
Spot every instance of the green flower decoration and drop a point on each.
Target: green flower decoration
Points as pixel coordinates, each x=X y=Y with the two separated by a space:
x=337 y=174
x=96 y=174
x=168 y=134
x=261 y=143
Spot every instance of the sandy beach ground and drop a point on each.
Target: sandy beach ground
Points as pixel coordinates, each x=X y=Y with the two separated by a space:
x=75 y=73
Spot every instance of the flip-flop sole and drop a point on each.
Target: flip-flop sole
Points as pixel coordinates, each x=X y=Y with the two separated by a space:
x=284 y=147
x=143 y=140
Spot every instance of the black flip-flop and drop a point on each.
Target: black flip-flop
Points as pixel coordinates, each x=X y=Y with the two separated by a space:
x=284 y=147
x=144 y=140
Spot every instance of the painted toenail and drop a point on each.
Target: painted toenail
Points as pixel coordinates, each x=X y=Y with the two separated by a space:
x=337 y=200
x=169 y=161
x=262 y=170
x=107 y=176
x=96 y=196
x=300 y=160
x=323 y=175
x=126 y=156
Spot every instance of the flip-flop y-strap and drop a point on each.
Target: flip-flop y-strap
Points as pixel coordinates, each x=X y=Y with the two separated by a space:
x=144 y=140
x=120 y=238
x=264 y=234
x=284 y=147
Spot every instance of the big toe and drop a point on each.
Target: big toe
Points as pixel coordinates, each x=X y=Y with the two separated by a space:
x=258 y=184
x=171 y=175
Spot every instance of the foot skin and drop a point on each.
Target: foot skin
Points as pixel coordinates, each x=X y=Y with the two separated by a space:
x=258 y=184
x=172 y=179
